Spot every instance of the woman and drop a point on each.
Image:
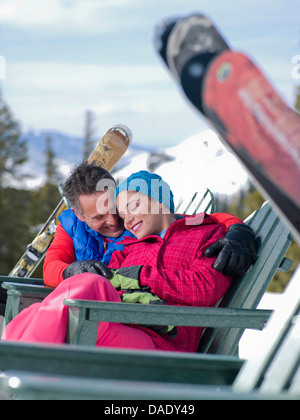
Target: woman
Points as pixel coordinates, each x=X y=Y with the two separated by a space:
x=166 y=262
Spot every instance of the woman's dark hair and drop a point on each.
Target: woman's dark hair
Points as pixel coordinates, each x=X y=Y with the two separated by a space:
x=83 y=180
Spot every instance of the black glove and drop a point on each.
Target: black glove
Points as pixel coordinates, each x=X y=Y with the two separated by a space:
x=236 y=251
x=87 y=266
x=162 y=329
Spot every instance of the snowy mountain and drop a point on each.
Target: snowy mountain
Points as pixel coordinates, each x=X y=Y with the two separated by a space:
x=67 y=148
x=198 y=162
x=68 y=151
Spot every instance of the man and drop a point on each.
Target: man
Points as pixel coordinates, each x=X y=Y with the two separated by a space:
x=91 y=230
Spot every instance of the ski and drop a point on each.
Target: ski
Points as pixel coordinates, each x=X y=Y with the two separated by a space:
x=235 y=97
x=107 y=153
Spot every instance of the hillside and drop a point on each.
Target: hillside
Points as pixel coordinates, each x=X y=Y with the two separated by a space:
x=197 y=162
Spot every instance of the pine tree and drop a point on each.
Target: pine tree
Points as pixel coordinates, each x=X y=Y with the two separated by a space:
x=14 y=204
x=51 y=168
x=281 y=280
x=15 y=229
x=48 y=196
x=89 y=132
x=13 y=150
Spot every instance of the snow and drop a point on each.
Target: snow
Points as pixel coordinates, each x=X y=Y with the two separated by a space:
x=250 y=340
x=255 y=344
x=199 y=162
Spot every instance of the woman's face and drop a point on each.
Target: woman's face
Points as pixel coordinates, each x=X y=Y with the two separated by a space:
x=142 y=216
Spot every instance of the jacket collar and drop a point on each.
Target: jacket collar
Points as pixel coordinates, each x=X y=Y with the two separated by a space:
x=125 y=234
x=183 y=222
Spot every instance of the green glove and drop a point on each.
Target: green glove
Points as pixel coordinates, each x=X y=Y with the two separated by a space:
x=127 y=279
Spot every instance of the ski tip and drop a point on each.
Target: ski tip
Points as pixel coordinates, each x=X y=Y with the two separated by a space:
x=124 y=131
x=192 y=36
x=177 y=38
x=161 y=33
x=164 y=31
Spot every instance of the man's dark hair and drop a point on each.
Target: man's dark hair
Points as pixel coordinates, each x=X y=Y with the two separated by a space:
x=83 y=180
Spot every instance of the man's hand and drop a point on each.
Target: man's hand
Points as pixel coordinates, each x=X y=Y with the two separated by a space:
x=87 y=266
x=236 y=251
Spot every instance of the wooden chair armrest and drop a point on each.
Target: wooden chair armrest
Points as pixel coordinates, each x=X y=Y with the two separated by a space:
x=22 y=280
x=15 y=291
x=22 y=289
x=84 y=317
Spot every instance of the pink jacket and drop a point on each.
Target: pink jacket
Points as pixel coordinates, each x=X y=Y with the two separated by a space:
x=177 y=271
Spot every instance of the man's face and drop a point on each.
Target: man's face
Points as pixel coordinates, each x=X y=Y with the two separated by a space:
x=98 y=211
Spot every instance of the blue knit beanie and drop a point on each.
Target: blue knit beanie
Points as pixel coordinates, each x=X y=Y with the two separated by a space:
x=148 y=184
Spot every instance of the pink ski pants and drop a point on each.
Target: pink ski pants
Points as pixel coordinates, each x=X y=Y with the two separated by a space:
x=46 y=322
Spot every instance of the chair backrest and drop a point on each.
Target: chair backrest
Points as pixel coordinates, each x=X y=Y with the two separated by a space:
x=274 y=240
x=200 y=202
x=276 y=366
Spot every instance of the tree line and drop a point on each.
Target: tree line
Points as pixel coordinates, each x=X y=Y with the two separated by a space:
x=23 y=212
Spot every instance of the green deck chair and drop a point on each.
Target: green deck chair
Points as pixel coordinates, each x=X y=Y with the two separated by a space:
x=273 y=373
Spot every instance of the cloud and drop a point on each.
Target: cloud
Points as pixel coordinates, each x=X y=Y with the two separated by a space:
x=65 y=77
x=28 y=12
x=66 y=56
x=49 y=94
x=67 y=16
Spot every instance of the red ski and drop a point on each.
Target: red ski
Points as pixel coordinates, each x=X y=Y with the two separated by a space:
x=240 y=103
x=258 y=127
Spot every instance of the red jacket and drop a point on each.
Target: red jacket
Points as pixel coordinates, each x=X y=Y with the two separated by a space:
x=177 y=271
x=61 y=252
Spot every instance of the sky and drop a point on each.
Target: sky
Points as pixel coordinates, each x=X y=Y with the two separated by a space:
x=60 y=58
